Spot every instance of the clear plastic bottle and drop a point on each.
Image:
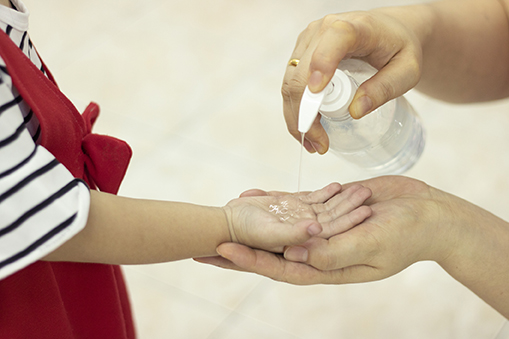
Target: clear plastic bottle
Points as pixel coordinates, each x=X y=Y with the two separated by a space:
x=389 y=140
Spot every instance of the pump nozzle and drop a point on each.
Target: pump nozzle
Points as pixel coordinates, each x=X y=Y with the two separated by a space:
x=333 y=100
x=309 y=105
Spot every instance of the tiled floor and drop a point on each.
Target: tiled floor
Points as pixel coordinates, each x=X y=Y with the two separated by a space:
x=194 y=86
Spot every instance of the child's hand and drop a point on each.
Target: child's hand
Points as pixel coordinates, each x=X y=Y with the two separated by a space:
x=273 y=220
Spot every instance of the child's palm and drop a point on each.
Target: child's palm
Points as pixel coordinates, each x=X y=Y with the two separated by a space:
x=274 y=220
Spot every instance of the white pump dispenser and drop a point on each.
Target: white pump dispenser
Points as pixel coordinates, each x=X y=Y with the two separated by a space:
x=332 y=101
x=389 y=140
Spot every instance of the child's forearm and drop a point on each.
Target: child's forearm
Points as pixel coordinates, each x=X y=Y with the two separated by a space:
x=132 y=231
x=465 y=47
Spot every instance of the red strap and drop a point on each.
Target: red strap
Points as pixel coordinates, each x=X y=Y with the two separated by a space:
x=100 y=160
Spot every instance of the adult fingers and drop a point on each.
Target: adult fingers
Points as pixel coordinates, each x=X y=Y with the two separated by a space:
x=274 y=266
x=335 y=40
x=285 y=234
x=242 y=258
x=352 y=248
x=294 y=82
x=332 y=39
x=397 y=77
x=219 y=262
x=359 y=34
x=338 y=38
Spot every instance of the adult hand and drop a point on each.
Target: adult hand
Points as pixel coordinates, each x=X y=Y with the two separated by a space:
x=375 y=37
x=273 y=220
x=402 y=229
x=410 y=221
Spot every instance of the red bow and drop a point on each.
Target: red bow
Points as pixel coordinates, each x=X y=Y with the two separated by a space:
x=106 y=157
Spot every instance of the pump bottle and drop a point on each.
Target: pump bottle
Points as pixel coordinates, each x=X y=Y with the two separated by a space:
x=388 y=140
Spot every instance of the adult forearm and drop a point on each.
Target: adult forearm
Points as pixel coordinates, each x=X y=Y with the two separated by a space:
x=133 y=231
x=481 y=252
x=465 y=46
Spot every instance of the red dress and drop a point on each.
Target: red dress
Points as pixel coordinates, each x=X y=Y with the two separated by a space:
x=60 y=299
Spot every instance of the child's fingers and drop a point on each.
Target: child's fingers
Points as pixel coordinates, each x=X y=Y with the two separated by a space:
x=343 y=203
x=346 y=222
x=322 y=195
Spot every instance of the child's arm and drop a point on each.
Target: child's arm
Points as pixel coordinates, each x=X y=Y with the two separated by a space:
x=132 y=231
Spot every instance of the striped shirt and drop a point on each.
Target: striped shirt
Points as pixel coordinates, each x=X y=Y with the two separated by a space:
x=41 y=204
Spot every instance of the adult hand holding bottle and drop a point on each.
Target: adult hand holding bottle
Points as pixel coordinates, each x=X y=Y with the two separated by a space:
x=435 y=46
x=327 y=41
x=457 y=51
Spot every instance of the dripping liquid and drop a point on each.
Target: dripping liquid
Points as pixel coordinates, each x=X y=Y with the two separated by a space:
x=300 y=161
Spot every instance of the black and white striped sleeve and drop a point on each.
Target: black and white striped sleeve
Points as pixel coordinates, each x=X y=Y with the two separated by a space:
x=41 y=204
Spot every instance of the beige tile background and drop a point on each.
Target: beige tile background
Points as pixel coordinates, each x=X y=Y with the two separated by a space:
x=194 y=86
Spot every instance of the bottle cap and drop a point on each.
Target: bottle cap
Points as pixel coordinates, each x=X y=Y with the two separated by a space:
x=335 y=103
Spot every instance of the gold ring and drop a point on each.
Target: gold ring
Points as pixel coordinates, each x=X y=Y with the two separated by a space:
x=293 y=62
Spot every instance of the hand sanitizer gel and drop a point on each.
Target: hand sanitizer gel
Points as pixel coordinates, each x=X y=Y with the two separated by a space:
x=388 y=140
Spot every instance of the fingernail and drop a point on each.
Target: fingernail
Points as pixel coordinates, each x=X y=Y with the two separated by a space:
x=309 y=147
x=314 y=229
x=315 y=81
x=362 y=106
x=319 y=147
x=296 y=253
